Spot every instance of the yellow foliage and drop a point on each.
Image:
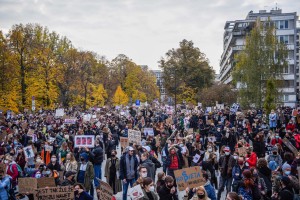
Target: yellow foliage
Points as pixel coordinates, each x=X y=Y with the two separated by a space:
x=99 y=95
x=9 y=101
x=120 y=97
x=137 y=95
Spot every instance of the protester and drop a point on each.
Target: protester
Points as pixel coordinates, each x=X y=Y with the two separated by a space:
x=148 y=189
x=80 y=193
x=112 y=168
x=168 y=191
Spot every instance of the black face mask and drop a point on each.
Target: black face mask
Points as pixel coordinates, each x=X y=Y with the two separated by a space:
x=76 y=193
x=12 y=154
x=201 y=196
x=82 y=159
x=113 y=155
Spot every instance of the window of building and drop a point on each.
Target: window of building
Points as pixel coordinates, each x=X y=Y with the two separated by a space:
x=282 y=24
x=284 y=39
x=285 y=98
x=286 y=70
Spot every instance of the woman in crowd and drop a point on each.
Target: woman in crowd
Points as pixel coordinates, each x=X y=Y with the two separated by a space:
x=80 y=193
x=149 y=189
x=112 y=168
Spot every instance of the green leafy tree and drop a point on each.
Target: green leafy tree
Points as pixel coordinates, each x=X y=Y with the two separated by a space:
x=186 y=67
x=264 y=57
x=269 y=103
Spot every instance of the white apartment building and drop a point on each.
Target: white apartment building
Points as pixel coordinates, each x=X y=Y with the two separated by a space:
x=286 y=31
x=159 y=82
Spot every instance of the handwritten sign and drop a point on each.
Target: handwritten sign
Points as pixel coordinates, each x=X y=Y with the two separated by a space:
x=189 y=177
x=290 y=146
x=136 y=192
x=124 y=141
x=28 y=152
x=105 y=192
x=27 y=185
x=59 y=112
x=46 y=182
x=134 y=136
x=55 y=193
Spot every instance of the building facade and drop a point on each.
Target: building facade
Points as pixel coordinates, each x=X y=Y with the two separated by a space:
x=286 y=32
x=160 y=84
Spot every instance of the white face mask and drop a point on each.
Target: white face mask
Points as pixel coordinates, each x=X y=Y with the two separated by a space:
x=209 y=149
x=235 y=157
x=227 y=153
x=5 y=161
x=53 y=159
x=144 y=175
x=151 y=188
x=38 y=160
x=38 y=175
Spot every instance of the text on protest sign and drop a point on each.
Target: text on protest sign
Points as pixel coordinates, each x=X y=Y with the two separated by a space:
x=105 y=192
x=70 y=121
x=136 y=192
x=134 y=136
x=124 y=141
x=148 y=131
x=27 y=185
x=84 y=141
x=55 y=193
x=189 y=177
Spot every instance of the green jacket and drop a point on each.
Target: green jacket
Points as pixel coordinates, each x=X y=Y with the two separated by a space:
x=88 y=176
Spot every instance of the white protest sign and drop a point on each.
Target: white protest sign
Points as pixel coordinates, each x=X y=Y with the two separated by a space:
x=48 y=148
x=196 y=158
x=148 y=131
x=134 y=136
x=136 y=192
x=70 y=121
x=59 y=112
x=28 y=152
x=84 y=141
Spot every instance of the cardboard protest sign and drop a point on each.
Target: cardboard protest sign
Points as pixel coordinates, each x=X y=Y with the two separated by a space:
x=70 y=121
x=148 y=131
x=55 y=193
x=290 y=146
x=134 y=136
x=60 y=112
x=46 y=182
x=242 y=151
x=2 y=167
x=136 y=192
x=84 y=141
x=48 y=148
x=27 y=185
x=189 y=177
x=124 y=141
x=28 y=152
x=105 y=192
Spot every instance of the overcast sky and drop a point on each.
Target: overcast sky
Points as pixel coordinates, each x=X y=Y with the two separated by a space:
x=144 y=30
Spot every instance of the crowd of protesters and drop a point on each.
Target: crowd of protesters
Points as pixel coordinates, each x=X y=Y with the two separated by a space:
x=267 y=169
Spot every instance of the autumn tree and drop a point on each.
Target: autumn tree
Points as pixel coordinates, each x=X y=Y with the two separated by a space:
x=186 y=66
x=263 y=58
x=120 y=97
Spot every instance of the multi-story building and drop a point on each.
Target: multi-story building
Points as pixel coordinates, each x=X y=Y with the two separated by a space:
x=159 y=82
x=286 y=31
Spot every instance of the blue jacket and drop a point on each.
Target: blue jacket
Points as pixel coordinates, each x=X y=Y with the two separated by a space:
x=211 y=193
x=237 y=172
x=4 y=184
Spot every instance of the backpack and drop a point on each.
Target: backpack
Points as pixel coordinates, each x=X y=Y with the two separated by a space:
x=20 y=171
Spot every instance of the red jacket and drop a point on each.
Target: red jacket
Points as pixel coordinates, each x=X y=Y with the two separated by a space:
x=252 y=160
x=290 y=127
x=274 y=141
x=12 y=170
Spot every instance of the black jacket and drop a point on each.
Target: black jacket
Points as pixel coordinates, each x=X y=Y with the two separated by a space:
x=164 y=193
x=98 y=155
x=123 y=170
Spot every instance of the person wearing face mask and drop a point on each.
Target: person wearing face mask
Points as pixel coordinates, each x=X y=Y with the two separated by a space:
x=276 y=140
x=259 y=182
x=160 y=180
x=237 y=172
x=70 y=163
x=20 y=160
x=112 y=167
x=12 y=170
x=142 y=174
x=272 y=120
x=80 y=193
x=4 y=183
x=98 y=159
x=286 y=171
x=274 y=160
x=226 y=163
x=85 y=173
x=70 y=179
x=146 y=162
x=54 y=165
x=201 y=194
x=168 y=191
x=148 y=189
x=174 y=161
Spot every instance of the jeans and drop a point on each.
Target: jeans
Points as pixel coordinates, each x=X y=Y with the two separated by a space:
x=125 y=187
x=224 y=181
x=98 y=174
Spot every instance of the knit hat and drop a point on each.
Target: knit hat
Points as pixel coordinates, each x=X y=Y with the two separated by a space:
x=85 y=156
x=286 y=166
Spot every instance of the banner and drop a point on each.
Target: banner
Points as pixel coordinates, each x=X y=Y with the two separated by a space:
x=134 y=136
x=189 y=177
x=148 y=131
x=124 y=142
x=55 y=193
x=290 y=146
x=84 y=141
x=105 y=192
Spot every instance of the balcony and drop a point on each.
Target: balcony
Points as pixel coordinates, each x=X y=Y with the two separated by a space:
x=290 y=46
x=238 y=47
x=287 y=90
x=288 y=76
